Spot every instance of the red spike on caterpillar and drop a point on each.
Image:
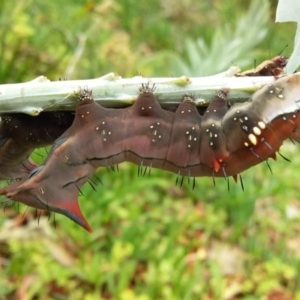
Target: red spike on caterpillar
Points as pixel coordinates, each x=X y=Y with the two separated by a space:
x=223 y=142
x=273 y=67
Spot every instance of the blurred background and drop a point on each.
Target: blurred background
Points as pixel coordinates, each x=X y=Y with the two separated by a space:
x=152 y=239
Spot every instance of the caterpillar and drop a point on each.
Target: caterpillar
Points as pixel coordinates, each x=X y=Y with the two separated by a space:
x=273 y=67
x=20 y=134
x=220 y=143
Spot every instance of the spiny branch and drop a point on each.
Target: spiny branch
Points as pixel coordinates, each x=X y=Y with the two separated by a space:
x=113 y=91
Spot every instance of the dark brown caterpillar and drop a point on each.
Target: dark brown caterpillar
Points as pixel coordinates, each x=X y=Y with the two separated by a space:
x=273 y=67
x=20 y=134
x=222 y=142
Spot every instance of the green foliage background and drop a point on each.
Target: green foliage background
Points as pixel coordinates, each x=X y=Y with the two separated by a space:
x=152 y=239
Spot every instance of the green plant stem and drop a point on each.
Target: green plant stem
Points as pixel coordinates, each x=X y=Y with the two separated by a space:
x=113 y=91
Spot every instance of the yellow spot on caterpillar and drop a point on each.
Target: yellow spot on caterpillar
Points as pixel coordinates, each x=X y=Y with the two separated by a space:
x=252 y=138
x=256 y=130
x=246 y=144
x=262 y=125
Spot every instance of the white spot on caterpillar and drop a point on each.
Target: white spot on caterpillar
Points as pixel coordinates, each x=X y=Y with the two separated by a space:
x=193 y=128
x=87 y=112
x=252 y=138
x=195 y=139
x=159 y=136
x=237 y=111
x=104 y=140
x=207 y=130
x=16 y=126
x=82 y=116
x=97 y=128
x=246 y=144
x=216 y=135
x=234 y=119
x=261 y=124
x=103 y=122
x=151 y=126
x=213 y=125
x=109 y=132
x=211 y=143
x=150 y=107
x=187 y=132
x=294 y=116
x=189 y=110
x=271 y=91
x=215 y=110
x=256 y=130
x=189 y=146
x=245 y=127
x=153 y=140
x=284 y=118
x=158 y=123
x=280 y=96
x=42 y=190
x=246 y=118
x=182 y=111
x=142 y=108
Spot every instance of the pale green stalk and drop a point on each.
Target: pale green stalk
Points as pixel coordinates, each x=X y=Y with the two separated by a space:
x=113 y=91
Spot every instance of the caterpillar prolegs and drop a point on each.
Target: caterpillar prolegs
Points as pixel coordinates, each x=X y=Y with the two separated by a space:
x=220 y=143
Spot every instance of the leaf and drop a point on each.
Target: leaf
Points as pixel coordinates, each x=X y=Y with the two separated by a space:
x=289 y=11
